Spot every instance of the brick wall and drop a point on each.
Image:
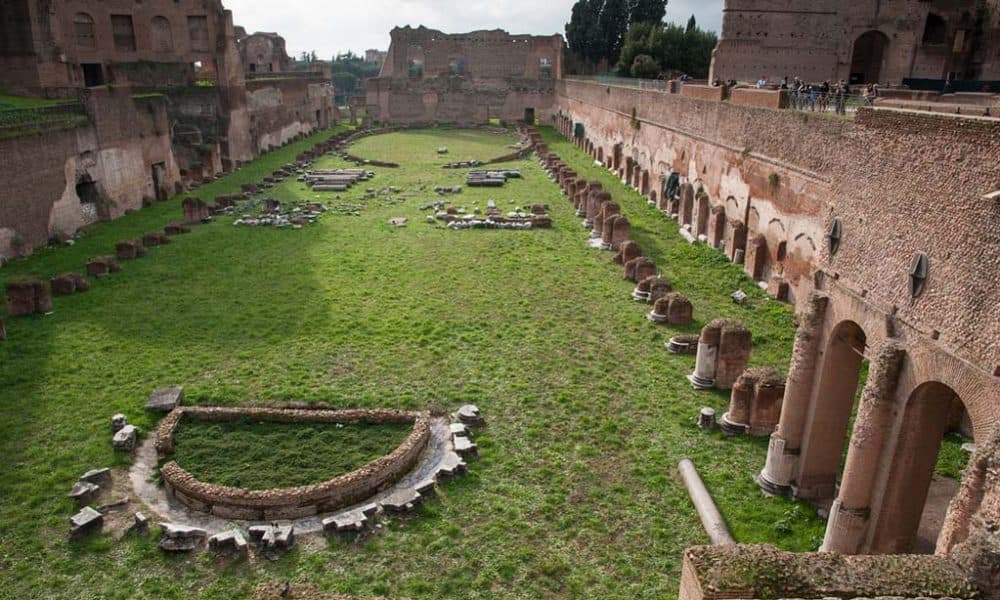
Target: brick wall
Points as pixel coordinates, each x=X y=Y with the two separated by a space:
x=900 y=182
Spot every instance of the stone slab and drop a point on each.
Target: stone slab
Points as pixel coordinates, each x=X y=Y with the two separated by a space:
x=165 y=399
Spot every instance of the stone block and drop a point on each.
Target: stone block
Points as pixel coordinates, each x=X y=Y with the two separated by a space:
x=125 y=438
x=165 y=399
x=181 y=538
x=84 y=492
x=238 y=513
x=86 y=521
x=289 y=513
x=231 y=541
x=465 y=447
x=469 y=414
x=98 y=477
x=118 y=421
x=401 y=501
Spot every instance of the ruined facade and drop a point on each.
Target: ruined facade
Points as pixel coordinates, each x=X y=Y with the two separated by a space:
x=264 y=52
x=159 y=102
x=430 y=76
x=841 y=217
x=869 y=41
x=55 y=48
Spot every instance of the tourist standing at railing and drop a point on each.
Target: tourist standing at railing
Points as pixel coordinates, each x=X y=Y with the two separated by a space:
x=761 y=83
x=824 y=96
x=843 y=91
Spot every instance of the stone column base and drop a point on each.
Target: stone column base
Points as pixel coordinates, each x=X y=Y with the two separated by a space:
x=845 y=529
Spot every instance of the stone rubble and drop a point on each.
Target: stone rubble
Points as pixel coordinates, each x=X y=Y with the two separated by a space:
x=125 y=438
x=181 y=538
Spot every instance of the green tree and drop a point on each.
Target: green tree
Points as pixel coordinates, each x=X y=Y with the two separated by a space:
x=583 y=32
x=614 y=22
x=646 y=11
x=675 y=49
x=645 y=67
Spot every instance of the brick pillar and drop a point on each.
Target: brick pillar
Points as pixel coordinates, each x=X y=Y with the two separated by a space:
x=848 y=523
x=783 y=449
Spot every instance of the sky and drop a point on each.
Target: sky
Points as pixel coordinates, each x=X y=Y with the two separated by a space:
x=333 y=26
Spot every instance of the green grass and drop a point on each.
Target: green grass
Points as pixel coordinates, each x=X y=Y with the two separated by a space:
x=260 y=455
x=13 y=101
x=576 y=494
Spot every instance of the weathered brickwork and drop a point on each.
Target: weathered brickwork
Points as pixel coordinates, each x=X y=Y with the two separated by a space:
x=866 y=41
x=152 y=133
x=431 y=76
x=849 y=215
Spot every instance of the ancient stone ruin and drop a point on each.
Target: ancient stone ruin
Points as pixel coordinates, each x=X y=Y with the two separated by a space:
x=27 y=296
x=755 y=405
x=723 y=354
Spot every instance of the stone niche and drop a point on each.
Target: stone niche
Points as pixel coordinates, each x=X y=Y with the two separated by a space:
x=290 y=503
x=723 y=354
x=755 y=404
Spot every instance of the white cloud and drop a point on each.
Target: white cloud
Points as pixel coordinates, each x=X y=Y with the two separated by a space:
x=335 y=26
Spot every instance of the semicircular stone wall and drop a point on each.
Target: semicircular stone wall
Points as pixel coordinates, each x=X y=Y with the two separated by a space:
x=297 y=502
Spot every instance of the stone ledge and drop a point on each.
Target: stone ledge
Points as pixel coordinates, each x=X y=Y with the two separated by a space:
x=758 y=572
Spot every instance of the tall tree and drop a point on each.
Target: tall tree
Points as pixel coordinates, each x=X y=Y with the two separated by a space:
x=644 y=11
x=692 y=25
x=614 y=23
x=583 y=33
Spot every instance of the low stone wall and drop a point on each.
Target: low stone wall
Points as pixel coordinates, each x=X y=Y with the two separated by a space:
x=705 y=92
x=766 y=573
x=755 y=97
x=290 y=503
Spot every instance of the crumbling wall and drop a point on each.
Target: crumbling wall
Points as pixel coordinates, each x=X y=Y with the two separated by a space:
x=465 y=78
x=115 y=153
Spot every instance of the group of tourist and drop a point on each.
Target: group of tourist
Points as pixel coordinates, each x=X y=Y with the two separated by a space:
x=820 y=96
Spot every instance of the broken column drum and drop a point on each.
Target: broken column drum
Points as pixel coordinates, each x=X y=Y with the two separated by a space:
x=755 y=404
x=703 y=377
x=602 y=222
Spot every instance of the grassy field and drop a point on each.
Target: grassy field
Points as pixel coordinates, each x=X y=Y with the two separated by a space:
x=576 y=494
x=257 y=456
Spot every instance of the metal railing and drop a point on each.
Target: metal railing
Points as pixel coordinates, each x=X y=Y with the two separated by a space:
x=653 y=85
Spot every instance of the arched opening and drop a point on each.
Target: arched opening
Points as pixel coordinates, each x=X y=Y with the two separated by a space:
x=701 y=212
x=600 y=155
x=616 y=161
x=866 y=60
x=935 y=30
x=161 y=38
x=644 y=186
x=923 y=475
x=824 y=441
x=629 y=166
x=83 y=30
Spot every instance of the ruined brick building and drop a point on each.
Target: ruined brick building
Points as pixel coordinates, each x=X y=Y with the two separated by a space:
x=429 y=76
x=865 y=41
x=159 y=99
x=263 y=52
x=889 y=263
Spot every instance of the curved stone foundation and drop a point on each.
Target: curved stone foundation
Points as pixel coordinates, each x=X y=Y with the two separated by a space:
x=297 y=502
